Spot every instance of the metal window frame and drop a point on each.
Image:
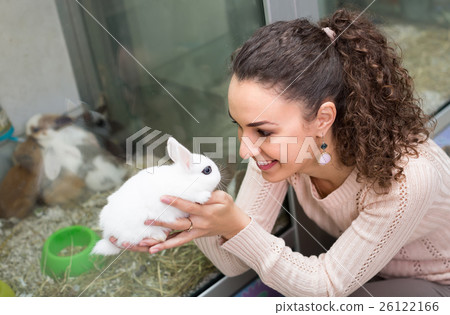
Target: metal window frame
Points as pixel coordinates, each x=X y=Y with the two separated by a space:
x=74 y=30
x=442 y=117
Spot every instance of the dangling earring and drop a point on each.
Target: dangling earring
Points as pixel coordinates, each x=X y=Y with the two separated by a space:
x=325 y=157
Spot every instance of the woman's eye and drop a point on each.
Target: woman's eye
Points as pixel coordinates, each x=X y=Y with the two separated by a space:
x=264 y=133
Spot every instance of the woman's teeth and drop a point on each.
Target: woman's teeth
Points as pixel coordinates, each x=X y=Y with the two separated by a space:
x=265 y=166
x=264 y=163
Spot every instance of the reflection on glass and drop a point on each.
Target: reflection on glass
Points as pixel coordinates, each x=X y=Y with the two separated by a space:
x=421 y=29
x=168 y=74
x=186 y=47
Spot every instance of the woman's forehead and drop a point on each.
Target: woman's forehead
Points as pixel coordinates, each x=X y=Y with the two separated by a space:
x=247 y=98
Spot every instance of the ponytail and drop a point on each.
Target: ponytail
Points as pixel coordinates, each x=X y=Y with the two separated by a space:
x=382 y=120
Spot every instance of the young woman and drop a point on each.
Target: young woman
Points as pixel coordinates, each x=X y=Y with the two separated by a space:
x=372 y=178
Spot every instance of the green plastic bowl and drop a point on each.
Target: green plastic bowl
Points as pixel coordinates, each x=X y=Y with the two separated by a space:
x=5 y=290
x=58 y=266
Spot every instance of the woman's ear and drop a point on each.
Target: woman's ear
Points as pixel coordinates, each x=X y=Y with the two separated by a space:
x=325 y=117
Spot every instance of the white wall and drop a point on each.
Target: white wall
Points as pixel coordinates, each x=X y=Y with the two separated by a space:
x=35 y=71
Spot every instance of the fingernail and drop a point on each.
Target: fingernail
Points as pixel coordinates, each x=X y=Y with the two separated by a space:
x=154 y=250
x=166 y=200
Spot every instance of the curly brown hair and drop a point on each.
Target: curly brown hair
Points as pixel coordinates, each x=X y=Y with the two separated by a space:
x=378 y=120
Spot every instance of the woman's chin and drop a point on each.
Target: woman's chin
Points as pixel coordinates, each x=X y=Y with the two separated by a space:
x=278 y=173
x=274 y=177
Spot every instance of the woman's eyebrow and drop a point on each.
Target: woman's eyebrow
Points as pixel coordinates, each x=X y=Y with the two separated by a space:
x=259 y=123
x=255 y=124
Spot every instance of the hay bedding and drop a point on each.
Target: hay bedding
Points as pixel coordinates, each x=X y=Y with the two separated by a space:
x=175 y=272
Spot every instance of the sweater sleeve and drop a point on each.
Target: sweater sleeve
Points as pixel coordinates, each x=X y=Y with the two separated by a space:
x=383 y=226
x=261 y=200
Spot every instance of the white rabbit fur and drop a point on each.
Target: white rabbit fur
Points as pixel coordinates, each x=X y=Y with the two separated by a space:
x=138 y=199
x=65 y=146
x=96 y=179
x=59 y=145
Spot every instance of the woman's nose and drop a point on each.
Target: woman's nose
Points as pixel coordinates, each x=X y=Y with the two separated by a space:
x=249 y=147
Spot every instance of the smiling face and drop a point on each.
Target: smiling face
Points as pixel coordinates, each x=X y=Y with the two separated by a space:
x=271 y=132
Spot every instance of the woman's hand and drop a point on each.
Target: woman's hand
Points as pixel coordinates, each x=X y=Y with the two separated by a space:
x=136 y=248
x=218 y=216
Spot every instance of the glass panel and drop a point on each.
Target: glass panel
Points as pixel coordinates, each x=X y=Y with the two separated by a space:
x=421 y=28
x=166 y=69
x=169 y=73
x=186 y=46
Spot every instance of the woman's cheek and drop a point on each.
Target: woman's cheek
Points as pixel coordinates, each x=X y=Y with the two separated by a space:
x=293 y=156
x=283 y=152
x=272 y=150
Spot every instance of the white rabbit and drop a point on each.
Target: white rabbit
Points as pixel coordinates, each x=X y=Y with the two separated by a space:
x=192 y=177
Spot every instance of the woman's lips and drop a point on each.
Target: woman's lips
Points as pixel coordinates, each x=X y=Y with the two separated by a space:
x=265 y=165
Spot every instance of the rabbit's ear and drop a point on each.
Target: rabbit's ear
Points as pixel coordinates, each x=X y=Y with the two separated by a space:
x=178 y=153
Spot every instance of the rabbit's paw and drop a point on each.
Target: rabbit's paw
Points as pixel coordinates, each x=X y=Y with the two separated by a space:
x=203 y=197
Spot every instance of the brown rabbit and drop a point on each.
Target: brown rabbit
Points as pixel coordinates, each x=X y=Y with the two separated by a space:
x=65 y=188
x=19 y=189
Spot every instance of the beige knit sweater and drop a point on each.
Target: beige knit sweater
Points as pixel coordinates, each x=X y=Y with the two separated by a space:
x=403 y=234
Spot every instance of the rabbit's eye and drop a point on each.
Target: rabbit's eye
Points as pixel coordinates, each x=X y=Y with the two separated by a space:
x=207 y=170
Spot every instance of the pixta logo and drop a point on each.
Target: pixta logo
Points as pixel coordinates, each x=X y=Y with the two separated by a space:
x=142 y=145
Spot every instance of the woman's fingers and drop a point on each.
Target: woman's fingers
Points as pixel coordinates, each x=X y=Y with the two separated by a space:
x=135 y=248
x=179 y=224
x=152 y=222
x=142 y=247
x=174 y=241
x=151 y=241
x=113 y=240
x=183 y=205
